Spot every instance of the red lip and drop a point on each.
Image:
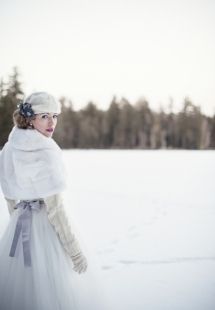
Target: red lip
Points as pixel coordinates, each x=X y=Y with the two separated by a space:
x=50 y=130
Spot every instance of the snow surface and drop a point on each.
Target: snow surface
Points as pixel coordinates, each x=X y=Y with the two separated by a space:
x=149 y=216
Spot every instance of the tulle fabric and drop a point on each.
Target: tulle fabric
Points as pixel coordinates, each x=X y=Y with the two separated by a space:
x=50 y=283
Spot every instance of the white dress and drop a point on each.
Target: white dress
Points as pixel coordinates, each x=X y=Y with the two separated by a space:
x=50 y=283
x=31 y=167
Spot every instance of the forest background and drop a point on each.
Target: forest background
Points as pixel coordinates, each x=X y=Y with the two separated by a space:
x=123 y=125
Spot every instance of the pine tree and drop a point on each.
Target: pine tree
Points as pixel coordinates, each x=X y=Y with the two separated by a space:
x=10 y=95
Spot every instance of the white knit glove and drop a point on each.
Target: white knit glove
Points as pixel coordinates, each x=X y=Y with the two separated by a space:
x=10 y=204
x=57 y=217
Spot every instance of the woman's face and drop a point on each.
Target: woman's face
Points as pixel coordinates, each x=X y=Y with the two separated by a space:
x=45 y=123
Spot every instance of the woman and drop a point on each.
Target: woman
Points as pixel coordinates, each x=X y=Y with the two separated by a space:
x=40 y=255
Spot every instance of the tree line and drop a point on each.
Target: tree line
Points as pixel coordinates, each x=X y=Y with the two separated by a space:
x=122 y=126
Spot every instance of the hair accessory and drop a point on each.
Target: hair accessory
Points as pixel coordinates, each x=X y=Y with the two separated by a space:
x=25 y=109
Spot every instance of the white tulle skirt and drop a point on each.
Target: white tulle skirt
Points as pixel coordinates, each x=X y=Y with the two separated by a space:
x=50 y=283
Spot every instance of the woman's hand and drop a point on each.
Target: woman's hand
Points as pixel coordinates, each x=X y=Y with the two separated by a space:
x=80 y=263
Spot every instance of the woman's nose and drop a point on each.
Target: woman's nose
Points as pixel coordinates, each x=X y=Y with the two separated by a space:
x=51 y=121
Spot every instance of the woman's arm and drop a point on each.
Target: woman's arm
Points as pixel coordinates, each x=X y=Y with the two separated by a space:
x=58 y=218
x=10 y=204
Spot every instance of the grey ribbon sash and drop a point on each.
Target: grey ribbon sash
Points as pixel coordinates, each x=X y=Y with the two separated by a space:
x=23 y=226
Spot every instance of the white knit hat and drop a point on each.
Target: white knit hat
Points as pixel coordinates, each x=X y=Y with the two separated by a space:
x=42 y=102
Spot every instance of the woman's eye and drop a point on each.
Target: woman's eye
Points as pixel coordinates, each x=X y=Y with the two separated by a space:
x=45 y=116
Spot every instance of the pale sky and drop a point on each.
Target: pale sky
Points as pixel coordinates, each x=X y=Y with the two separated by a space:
x=92 y=50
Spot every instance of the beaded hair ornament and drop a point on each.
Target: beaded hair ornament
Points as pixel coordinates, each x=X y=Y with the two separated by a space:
x=25 y=109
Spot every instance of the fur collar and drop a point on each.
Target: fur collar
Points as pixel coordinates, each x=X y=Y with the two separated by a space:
x=31 y=165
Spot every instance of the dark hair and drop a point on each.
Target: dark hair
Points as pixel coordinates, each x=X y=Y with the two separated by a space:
x=20 y=121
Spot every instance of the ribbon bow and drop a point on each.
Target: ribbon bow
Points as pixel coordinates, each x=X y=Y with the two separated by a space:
x=23 y=226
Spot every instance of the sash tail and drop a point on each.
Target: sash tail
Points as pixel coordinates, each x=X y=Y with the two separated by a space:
x=23 y=227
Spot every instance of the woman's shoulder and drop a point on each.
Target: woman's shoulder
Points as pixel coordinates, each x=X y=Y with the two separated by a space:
x=31 y=140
